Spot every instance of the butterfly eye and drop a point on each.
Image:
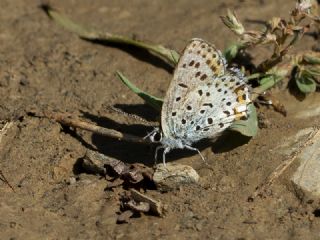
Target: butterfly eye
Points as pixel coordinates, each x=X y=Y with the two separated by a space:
x=156 y=137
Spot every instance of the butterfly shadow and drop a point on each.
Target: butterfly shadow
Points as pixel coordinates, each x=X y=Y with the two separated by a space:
x=127 y=152
x=176 y=154
x=228 y=141
x=225 y=143
x=138 y=53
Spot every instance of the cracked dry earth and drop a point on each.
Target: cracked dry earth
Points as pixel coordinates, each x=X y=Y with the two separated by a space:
x=42 y=66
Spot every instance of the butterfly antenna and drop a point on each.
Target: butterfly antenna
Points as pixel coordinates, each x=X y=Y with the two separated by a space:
x=156 y=154
x=132 y=116
x=151 y=133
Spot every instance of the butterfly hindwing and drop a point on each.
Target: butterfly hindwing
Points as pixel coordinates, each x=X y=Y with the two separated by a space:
x=198 y=62
x=204 y=98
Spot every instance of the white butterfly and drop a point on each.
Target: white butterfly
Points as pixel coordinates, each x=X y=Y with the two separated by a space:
x=204 y=98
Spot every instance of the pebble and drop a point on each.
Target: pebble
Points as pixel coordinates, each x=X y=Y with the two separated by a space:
x=172 y=176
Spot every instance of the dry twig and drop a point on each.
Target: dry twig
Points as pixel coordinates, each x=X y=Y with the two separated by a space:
x=67 y=120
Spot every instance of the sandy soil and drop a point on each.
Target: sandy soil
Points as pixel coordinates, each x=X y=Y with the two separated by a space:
x=44 y=67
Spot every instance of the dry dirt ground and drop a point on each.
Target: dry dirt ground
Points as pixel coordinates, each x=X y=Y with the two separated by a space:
x=42 y=66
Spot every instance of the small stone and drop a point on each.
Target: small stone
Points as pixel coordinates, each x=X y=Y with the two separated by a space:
x=199 y=227
x=24 y=81
x=124 y=217
x=13 y=224
x=72 y=180
x=172 y=176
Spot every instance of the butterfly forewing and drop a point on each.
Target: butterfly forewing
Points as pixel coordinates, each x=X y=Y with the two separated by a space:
x=204 y=98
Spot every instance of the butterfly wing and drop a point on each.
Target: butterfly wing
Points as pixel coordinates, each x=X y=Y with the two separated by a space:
x=204 y=98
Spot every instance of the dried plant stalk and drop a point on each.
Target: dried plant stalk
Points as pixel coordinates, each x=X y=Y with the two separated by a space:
x=66 y=120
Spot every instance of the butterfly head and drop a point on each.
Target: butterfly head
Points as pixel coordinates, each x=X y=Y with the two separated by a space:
x=157 y=136
x=168 y=143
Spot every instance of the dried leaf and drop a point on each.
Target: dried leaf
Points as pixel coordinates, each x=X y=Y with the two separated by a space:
x=252 y=37
x=138 y=206
x=156 y=207
x=304 y=5
x=134 y=173
x=274 y=23
x=233 y=23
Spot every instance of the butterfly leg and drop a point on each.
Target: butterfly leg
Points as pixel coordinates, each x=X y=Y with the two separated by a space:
x=156 y=154
x=166 y=150
x=197 y=150
x=202 y=157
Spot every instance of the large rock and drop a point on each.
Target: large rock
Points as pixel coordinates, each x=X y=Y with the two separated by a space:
x=306 y=179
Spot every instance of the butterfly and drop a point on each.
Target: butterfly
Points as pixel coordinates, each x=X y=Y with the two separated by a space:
x=204 y=98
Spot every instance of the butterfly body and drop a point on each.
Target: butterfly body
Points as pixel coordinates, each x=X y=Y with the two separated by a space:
x=204 y=98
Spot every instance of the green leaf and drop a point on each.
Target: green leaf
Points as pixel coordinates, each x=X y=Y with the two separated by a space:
x=255 y=76
x=247 y=127
x=153 y=101
x=231 y=52
x=169 y=55
x=314 y=72
x=306 y=84
x=66 y=22
x=266 y=82
x=311 y=59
